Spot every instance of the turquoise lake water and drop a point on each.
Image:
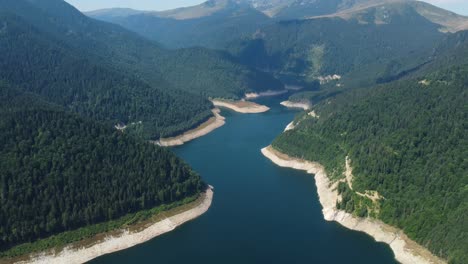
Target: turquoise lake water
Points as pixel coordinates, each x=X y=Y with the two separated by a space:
x=260 y=213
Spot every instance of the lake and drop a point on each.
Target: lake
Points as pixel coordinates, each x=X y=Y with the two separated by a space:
x=261 y=213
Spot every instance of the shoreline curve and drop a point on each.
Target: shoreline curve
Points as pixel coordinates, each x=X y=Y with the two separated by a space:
x=256 y=95
x=125 y=240
x=212 y=124
x=243 y=107
x=297 y=105
x=406 y=251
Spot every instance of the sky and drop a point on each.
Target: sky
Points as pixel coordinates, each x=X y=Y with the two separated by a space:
x=457 y=6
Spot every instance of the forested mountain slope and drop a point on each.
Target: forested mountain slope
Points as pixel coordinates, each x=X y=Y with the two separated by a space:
x=407 y=141
x=216 y=23
x=221 y=25
x=314 y=48
x=219 y=68
x=38 y=63
x=129 y=53
x=110 y=13
x=350 y=9
x=148 y=60
x=362 y=41
x=451 y=50
x=60 y=172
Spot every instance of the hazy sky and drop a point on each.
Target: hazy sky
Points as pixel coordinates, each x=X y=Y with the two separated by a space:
x=458 y=6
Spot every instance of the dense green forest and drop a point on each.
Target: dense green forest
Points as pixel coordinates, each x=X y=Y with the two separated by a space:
x=205 y=80
x=60 y=172
x=129 y=52
x=407 y=141
x=358 y=49
x=105 y=72
x=33 y=61
x=452 y=50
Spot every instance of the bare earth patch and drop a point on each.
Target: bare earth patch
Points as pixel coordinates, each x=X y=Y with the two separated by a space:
x=290 y=126
x=372 y=195
x=313 y=114
x=301 y=105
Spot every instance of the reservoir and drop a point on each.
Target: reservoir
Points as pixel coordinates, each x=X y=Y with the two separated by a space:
x=261 y=213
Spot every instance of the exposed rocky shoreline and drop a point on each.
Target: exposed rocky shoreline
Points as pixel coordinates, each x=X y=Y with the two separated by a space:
x=244 y=107
x=250 y=96
x=213 y=123
x=125 y=240
x=301 y=105
x=406 y=251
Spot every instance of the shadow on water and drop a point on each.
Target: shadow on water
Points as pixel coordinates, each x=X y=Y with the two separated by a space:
x=261 y=213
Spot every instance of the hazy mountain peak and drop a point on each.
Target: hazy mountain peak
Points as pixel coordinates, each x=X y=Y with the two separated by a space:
x=305 y=9
x=382 y=12
x=449 y=21
x=202 y=10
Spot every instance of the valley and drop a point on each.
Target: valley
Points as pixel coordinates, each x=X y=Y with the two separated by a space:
x=117 y=122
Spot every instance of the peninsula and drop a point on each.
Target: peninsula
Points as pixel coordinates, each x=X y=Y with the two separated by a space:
x=213 y=123
x=250 y=96
x=242 y=106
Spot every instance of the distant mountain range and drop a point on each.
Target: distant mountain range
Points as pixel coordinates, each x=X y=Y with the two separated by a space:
x=217 y=22
x=287 y=37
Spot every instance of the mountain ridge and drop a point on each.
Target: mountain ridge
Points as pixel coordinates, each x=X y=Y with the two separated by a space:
x=216 y=23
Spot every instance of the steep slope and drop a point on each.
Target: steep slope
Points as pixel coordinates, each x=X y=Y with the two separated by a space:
x=406 y=142
x=362 y=42
x=211 y=24
x=60 y=172
x=114 y=48
x=303 y=9
x=37 y=63
x=217 y=22
x=452 y=50
x=220 y=67
x=313 y=49
x=298 y=9
x=148 y=58
x=110 y=43
x=202 y=10
x=110 y=13
x=447 y=21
